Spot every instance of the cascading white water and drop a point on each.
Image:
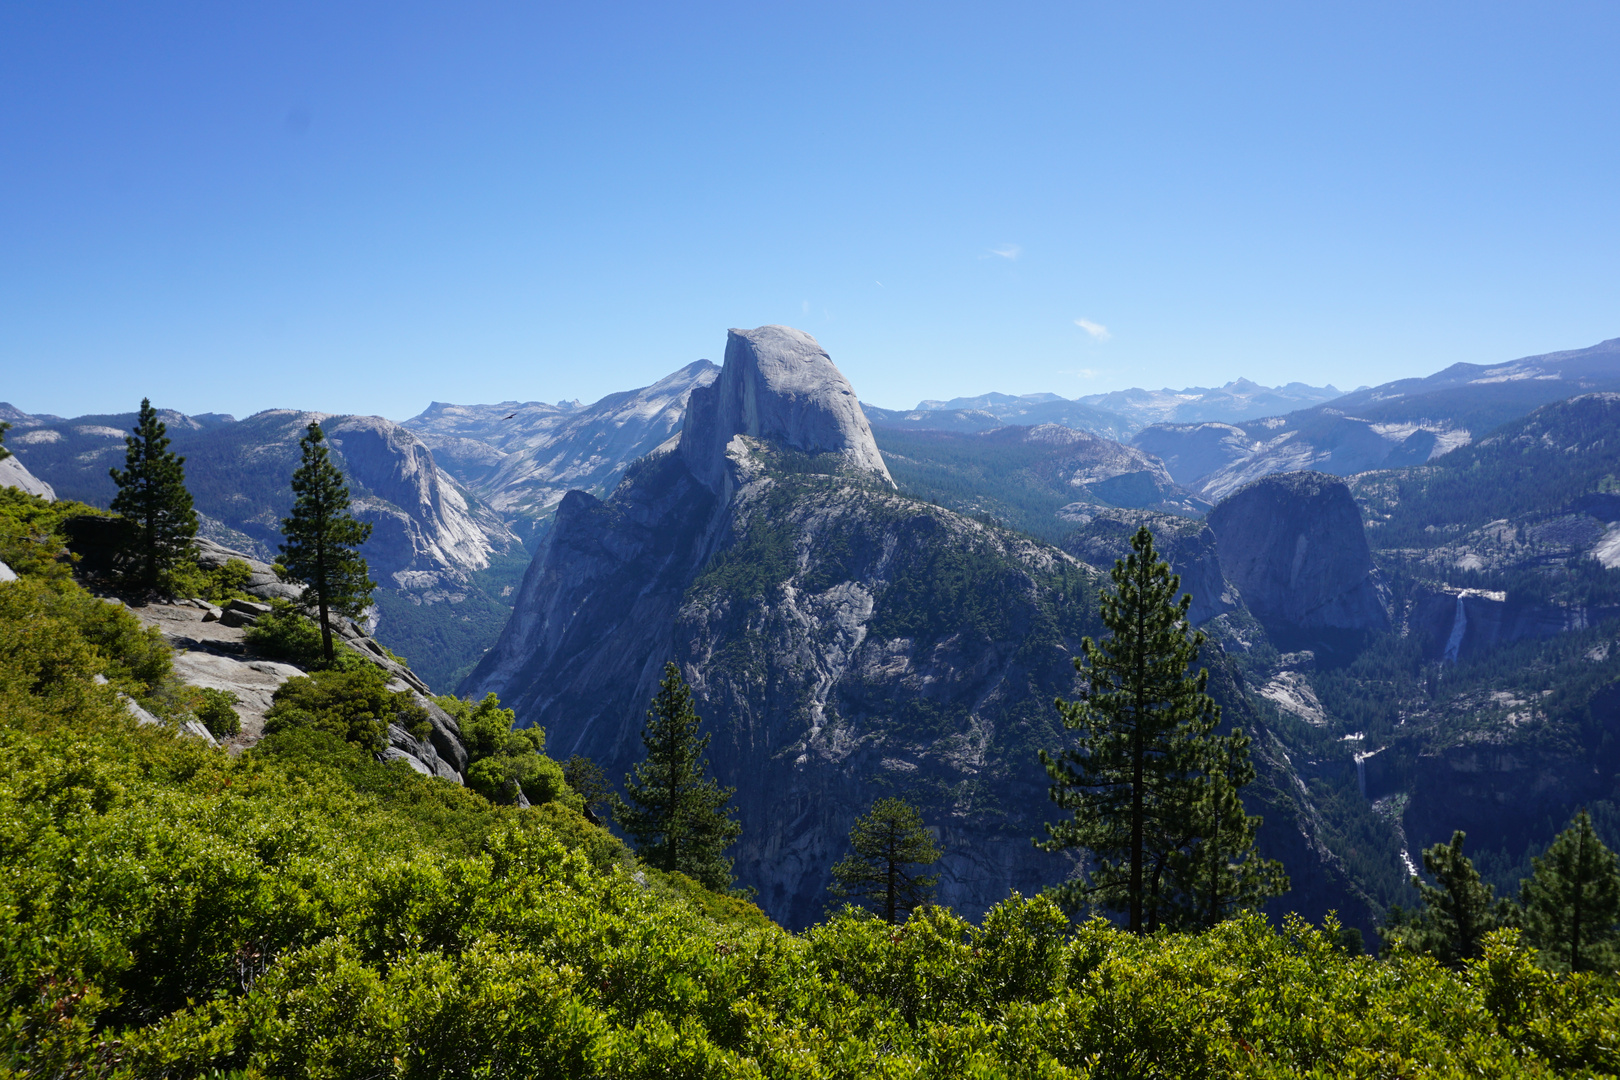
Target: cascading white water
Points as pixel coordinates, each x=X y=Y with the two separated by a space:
x=1459 y=627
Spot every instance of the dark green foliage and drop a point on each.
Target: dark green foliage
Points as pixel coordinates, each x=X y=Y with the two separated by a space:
x=1572 y=903
x=322 y=538
x=677 y=814
x=31 y=539
x=154 y=502
x=503 y=761
x=216 y=585
x=1152 y=791
x=1535 y=464
x=588 y=781
x=354 y=705
x=890 y=840
x=217 y=710
x=1218 y=873
x=287 y=635
x=4 y=427
x=1457 y=914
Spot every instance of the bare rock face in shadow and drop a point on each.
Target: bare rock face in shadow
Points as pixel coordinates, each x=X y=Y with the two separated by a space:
x=1294 y=546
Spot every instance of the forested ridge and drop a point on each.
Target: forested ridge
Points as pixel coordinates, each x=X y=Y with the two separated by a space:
x=303 y=910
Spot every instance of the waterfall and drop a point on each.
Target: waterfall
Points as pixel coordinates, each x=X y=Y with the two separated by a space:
x=1459 y=627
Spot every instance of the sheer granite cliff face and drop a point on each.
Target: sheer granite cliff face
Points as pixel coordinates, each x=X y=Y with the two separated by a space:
x=778 y=384
x=843 y=642
x=1295 y=547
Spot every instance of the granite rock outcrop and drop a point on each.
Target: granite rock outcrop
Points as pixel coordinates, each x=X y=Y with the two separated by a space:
x=1295 y=547
x=779 y=385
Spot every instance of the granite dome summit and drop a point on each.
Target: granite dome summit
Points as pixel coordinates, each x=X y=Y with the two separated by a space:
x=778 y=384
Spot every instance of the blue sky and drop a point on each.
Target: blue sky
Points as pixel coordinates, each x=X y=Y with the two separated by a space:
x=366 y=207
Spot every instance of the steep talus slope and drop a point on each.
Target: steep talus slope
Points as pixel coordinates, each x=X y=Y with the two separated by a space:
x=522 y=458
x=1406 y=422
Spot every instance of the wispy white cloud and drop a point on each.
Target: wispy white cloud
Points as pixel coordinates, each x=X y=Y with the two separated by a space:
x=1007 y=251
x=1098 y=331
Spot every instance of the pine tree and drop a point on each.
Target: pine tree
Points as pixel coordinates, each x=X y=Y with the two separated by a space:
x=1218 y=872
x=322 y=538
x=159 y=522
x=4 y=427
x=1572 y=901
x=677 y=815
x=889 y=840
x=1456 y=915
x=1135 y=779
x=588 y=781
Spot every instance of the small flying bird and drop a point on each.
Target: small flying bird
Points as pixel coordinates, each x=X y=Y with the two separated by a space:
x=509 y=416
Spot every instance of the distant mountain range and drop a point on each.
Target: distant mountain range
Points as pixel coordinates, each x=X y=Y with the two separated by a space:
x=1405 y=422
x=1114 y=415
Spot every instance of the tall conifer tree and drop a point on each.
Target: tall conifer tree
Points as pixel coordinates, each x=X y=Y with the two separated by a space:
x=1217 y=872
x=1153 y=793
x=677 y=815
x=159 y=522
x=1572 y=902
x=890 y=841
x=322 y=538
x=1457 y=913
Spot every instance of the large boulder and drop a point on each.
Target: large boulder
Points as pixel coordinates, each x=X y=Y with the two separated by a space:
x=777 y=384
x=1294 y=546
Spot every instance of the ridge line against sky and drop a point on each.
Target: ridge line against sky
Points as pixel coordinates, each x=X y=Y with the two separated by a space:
x=369 y=208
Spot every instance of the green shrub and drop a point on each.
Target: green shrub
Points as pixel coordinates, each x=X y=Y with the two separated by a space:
x=354 y=705
x=217 y=710
x=503 y=760
x=216 y=585
x=287 y=635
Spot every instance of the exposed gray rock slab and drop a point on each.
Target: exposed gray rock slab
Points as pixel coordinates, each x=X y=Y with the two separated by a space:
x=777 y=384
x=421 y=754
x=14 y=474
x=394 y=753
x=7 y=573
x=1294 y=546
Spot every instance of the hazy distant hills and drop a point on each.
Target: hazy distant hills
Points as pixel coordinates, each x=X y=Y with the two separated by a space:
x=1405 y=422
x=1113 y=415
x=1001 y=410
x=522 y=458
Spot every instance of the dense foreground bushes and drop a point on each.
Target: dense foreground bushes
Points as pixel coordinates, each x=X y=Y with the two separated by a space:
x=303 y=910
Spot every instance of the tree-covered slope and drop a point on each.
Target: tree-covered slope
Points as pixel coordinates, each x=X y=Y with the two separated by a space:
x=1040 y=480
